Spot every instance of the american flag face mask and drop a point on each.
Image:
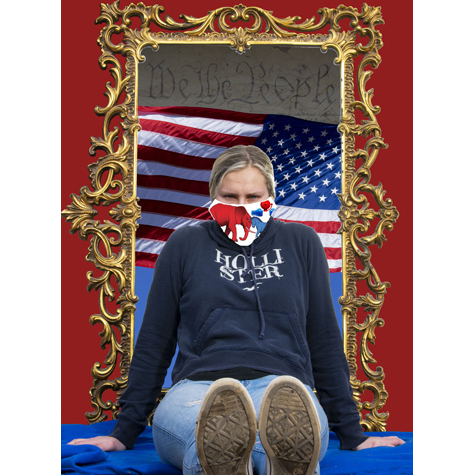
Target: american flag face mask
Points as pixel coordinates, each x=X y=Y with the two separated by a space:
x=242 y=223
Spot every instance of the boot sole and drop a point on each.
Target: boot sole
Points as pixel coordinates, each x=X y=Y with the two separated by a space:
x=289 y=428
x=226 y=429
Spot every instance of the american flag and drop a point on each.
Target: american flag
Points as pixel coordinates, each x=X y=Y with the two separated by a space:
x=177 y=147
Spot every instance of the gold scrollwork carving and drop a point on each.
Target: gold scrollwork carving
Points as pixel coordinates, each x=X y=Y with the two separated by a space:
x=113 y=182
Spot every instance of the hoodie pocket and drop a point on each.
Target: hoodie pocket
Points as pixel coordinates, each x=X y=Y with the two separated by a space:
x=234 y=329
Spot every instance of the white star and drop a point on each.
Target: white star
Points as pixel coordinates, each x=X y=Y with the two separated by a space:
x=318 y=172
x=330 y=165
x=329 y=141
x=310 y=163
x=286 y=151
x=313 y=189
x=291 y=160
x=311 y=139
x=306 y=131
x=264 y=141
x=301 y=196
x=323 y=156
x=324 y=132
x=326 y=182
x=286 y=176
x=274 y=158
x=304 y=154
x=282 y=193
x=275 y=134
x=293 y=186
x=281 y=142
x=279 y=167
x=287 y=127
x=305 y=179
x=275 y=183
x=269 y=149
x=316 y=148
x=293 y=136
x=322 y=197
x=334 y=191
x=298 y=169
x=337 y=175
x=298 y=145
x=335 y=150
x=271 y=126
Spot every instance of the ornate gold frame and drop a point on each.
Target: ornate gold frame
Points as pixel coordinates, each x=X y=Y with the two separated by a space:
x=113 y=177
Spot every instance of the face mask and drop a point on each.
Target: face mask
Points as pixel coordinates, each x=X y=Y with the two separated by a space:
x=242 y=223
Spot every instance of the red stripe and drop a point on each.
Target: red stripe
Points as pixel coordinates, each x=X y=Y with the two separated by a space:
x=208 y=113
x=153 y=232
x=174 y=209
x=336 y=269
x=173 y=158
x=196 y=135
x=333 y=252
x=145 y=259
x=171 y=183
x=330 y=227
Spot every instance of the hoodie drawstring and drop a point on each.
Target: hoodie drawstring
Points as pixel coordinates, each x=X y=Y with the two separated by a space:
x=256 y=290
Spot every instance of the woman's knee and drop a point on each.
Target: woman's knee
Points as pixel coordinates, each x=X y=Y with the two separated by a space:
x=174 y=421
x=169 y=447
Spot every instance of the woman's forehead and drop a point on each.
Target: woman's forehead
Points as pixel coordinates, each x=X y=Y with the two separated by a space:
x=250 y=176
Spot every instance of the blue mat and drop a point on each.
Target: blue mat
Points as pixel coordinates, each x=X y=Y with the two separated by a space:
x=144 y=460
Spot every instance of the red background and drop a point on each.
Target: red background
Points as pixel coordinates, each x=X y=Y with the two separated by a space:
x=83 y=85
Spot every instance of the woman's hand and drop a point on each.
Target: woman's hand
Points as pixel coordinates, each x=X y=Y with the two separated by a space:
x=104 y=442
x=389 y=441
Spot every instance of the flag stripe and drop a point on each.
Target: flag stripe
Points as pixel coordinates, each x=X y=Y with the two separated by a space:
x=302 y=214
x=145 y=259
x=153 y=168
x=205 y=112
x=174 y=209
x=319 y=226
x=167 y=221
x=149 y=245
x=178 y=145
x=174 y=158
x=156 y=120
x=171 y=183
x=190 y=133
x=172 y=196
x=153 y=232
x=333 y=253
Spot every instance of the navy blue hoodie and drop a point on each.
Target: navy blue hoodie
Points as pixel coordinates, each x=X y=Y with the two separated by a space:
x=203 y=297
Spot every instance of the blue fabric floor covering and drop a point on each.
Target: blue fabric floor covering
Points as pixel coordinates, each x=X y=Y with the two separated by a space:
x=144 y=460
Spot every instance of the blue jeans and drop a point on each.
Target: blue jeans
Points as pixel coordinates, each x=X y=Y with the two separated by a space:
x=174 y=424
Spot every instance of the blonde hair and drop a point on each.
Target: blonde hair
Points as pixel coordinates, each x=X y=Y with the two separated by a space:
x=237 y=158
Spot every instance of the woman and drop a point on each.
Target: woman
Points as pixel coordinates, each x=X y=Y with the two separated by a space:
x=250 y=308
